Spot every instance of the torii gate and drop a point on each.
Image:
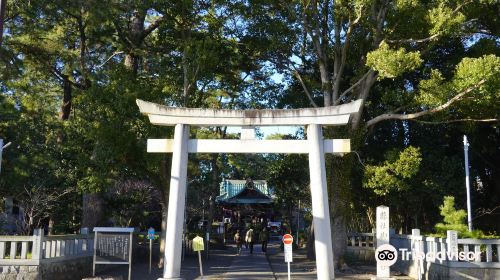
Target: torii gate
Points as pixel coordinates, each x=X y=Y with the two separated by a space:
x=315 y=146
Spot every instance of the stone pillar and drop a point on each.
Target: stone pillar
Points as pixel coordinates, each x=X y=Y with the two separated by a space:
x=320 y=209
x=383 y=238
x=452 y=243
x=416 y=247
x=37 y=249
x=176 y=203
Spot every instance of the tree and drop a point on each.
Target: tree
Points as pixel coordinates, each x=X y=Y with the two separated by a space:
x=39 y=203
x=454 y=219
x=427 y=72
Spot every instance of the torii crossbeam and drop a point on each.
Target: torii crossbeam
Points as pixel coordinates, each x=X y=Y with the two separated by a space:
x=315 y=146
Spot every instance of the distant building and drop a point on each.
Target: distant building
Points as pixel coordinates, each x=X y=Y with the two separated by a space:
x=246 y=202
x=233 y=192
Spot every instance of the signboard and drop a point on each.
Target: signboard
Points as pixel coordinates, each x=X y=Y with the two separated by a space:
x=113 y=246
x=151 y=233
x=287 y=239
x=198 y=244
x=288 y=253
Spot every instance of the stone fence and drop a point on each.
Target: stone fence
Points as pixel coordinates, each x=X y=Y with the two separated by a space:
x=484 y=262
x=361 y=247
x=54 y=257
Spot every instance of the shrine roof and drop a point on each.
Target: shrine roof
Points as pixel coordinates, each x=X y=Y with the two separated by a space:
x=240 y=192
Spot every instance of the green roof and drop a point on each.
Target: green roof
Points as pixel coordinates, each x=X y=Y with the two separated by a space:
x=237 y=192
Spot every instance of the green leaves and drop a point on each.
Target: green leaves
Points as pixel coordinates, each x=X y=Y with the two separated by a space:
x=479 y=75
x=444 y=20
x=393 y=174
x=471 y=71
x=390 y=63
x=434 y=90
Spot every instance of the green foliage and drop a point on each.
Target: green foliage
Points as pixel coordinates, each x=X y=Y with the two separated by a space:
x=394 y=174
x=454 y=219
x=472 y=71
x=469 y=73
x=391 y=63
x=444 y=20
x=433 y=90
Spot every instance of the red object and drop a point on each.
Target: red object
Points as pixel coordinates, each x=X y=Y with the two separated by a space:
x=287 y=239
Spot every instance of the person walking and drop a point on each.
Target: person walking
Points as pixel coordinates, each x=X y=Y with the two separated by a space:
x=249 y=239
x=243 y=233
x=264 y=238
x=238 y=240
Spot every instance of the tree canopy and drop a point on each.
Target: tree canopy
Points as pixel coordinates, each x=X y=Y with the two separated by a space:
x=427 y=72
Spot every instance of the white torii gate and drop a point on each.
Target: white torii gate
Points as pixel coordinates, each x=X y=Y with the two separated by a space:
x=315 y=146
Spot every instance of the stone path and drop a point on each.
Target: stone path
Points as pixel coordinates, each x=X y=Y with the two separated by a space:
x=244 y=266
x=300 y=268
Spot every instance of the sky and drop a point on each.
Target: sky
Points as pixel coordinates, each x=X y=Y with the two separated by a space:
x=268 y=130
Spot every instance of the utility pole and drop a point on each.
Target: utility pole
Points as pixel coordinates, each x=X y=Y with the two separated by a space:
x=3 y=4
x=467 y=183
x=2 y=146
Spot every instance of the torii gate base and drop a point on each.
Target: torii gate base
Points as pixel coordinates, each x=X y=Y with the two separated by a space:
x=315 y=146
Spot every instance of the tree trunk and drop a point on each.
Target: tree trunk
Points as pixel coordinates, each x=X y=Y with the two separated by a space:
x=92 y=210
x=213 y=191
x=325 y=83
x=51 y=226
x=67 y=98
x=136 y=38
x=340 y=179
x=132 y=63
x=364 y=92
x=311 y=253
x=165 y=166
x=163 y=233
x=338 y=193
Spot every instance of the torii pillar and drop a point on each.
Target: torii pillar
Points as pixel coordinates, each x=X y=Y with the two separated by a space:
x=315 y=146
x=176 y=203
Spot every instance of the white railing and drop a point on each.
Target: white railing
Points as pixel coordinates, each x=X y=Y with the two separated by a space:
x=31 y=250
x=486 y=251
x=360 y=240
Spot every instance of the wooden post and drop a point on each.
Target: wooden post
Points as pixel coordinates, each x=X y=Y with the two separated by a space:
x=201 y=266
x=94 y=255
x=150 y=253
x=130 y=257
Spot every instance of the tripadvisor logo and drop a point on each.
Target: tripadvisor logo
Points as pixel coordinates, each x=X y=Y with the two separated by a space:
x=386 y=255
